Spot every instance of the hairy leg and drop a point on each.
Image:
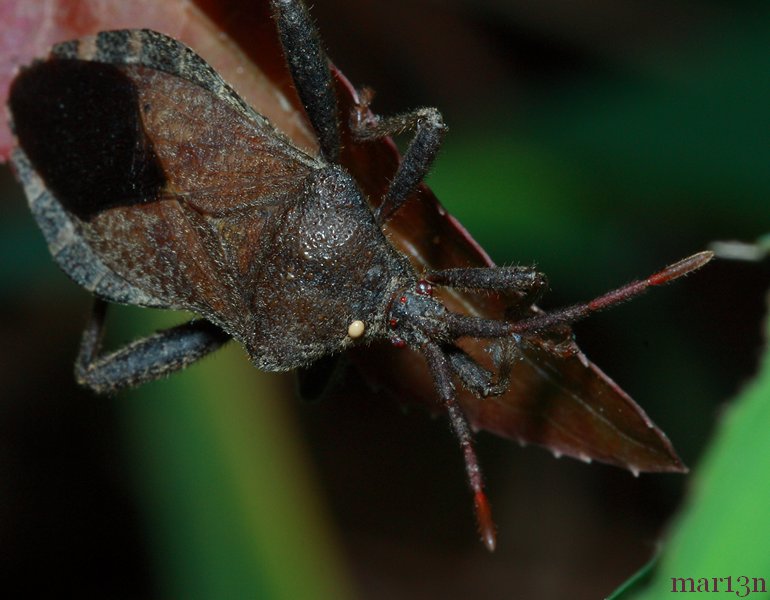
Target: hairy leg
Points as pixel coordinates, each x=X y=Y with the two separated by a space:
x=476 y=378
x=145 y=359
x=525 y=280
x=419 y=156
x=441 y=370
x=309 y=68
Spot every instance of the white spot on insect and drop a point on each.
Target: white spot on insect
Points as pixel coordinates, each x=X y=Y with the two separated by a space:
x=356 y=329
x=283 y=102
x=585 y=458
x=34 y=186
x=634 y=471
x=556 y=454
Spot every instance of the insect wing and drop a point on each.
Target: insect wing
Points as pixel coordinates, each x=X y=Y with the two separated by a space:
x=156 y=166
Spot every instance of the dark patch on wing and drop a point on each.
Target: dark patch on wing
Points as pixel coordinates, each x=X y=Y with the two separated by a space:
x=80 y=126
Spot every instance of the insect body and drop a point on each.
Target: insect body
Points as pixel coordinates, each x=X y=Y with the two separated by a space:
x=156 y=185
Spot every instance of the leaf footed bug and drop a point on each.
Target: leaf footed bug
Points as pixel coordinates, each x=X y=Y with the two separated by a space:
x=154 y=184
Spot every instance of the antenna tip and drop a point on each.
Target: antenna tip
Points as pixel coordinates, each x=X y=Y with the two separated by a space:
x=683 y=267
x=484 y=519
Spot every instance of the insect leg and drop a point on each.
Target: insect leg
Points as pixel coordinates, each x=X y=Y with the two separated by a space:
x=419 y=156
x=525 y=280
x=441 y=370
x=476 y=378
x=145 y=359
x=309 y=68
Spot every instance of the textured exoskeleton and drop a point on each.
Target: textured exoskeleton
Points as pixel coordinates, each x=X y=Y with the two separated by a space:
x=156 y=185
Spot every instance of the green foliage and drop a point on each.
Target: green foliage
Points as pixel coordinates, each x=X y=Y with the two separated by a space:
x=723 y=529
x=231 y=505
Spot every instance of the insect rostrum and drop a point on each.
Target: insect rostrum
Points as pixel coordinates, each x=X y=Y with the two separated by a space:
x=155 y=184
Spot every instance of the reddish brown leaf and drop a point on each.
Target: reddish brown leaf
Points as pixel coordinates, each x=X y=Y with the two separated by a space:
x=557 y=399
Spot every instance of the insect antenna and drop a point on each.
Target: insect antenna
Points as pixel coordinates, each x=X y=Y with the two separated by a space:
x=450 y=360
x=441 y=370
x=463 y=325
x=621 y=294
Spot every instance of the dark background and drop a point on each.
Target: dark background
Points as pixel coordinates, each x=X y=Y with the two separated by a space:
x=599 y=140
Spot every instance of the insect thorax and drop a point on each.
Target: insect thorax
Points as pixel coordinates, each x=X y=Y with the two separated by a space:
x=329 y=265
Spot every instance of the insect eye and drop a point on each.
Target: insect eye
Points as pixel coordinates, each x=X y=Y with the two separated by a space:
x=424 y=288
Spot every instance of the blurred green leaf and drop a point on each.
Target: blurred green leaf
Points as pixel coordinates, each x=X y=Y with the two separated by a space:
x=724 y=528
x=636 y=582
x=230 y=504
